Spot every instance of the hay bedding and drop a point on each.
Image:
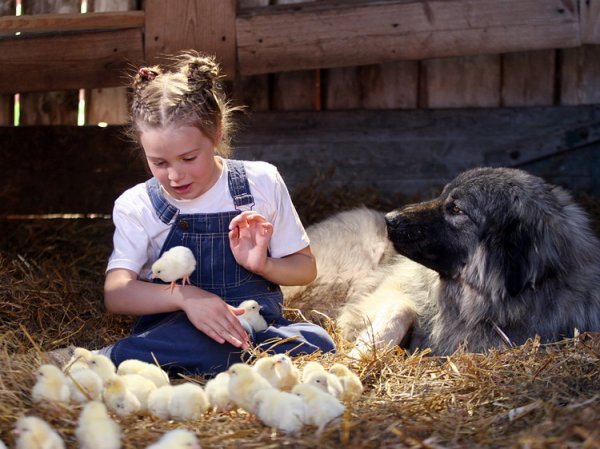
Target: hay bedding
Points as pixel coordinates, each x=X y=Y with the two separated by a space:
x=532 y=396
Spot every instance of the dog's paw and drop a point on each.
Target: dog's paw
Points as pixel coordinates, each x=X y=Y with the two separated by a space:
x=362 y=350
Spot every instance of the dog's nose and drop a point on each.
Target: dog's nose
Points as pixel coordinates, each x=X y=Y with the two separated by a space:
x=391 y=219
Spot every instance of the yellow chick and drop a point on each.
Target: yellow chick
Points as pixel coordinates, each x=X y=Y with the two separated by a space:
x=310 y=368
x=217 y=392
x=244 y=383
x=119 y=399
x=84 y=385
x=35 y=433
x=144 y=369
x=326 y=382
x=321 y=407
x=51 y=385
x=265 y=367
x=102 y=366
x=96 y=429
x=177 y=439
x=139 y=386
x=252 y=315
x=351 y=384
x=288 y=374
x=158 y=401
x=176 y=263
x=79 y=360
x=280 y=409
x=188 y=401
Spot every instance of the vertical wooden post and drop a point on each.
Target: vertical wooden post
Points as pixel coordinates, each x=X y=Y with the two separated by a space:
x=528 y=78
x=580 y=72
x=50 y=108
x=109 y=105
x=389 y=86
x=7 y=8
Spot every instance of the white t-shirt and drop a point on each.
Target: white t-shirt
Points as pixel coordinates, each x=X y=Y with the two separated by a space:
x=140 y=235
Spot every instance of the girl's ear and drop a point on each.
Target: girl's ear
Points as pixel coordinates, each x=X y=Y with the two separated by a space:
x=219 y=135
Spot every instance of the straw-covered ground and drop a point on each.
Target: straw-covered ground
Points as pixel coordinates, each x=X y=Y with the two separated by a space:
x=533 y=396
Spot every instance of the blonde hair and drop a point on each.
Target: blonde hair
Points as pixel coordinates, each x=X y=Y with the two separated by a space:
x=188 y=92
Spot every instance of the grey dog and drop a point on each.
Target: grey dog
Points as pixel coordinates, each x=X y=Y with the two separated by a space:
x=499 y=257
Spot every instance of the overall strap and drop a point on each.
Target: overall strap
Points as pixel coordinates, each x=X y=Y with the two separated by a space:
x=238 y=184
x=165 y=211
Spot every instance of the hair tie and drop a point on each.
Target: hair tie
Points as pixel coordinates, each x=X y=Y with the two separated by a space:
x=147 y=74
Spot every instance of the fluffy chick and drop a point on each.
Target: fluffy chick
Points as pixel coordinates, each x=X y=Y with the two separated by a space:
x=188 y=401
x=51 y=385
x=158 y=401
x=244 y=383
x=139 y=386
x=176 y=263
x=217 y=392
x=177 y=439
x=310 y=368
x=103 y=366
x=148 y=370
x=288 y=374
x=252 y=315
x=84 y=385
x=118 y=398
x=96 y=429
x=265 y=367
x=321 y=407
x=351 y=384
x=280 y=409
x=79 y=360
x=35 y=433
x=326 y=382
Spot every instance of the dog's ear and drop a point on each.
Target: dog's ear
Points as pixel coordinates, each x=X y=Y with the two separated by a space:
x=516 y=247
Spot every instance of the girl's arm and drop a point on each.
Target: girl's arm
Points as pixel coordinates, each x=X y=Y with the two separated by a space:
x=249 y=237
x=124 y=293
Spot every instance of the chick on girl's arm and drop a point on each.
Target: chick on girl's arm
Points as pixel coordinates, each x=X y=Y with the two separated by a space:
x=176 y=263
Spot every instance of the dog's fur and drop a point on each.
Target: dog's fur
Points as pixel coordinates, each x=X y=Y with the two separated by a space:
x=499 y=257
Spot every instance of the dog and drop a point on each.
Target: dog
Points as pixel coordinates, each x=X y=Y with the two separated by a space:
x=498 y=258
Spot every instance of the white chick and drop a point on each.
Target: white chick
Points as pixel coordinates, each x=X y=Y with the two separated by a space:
x=289 y=375
x=96 y=429
x=35 y=433
x=321 y=407
x=177 y=439
x=118 y=398
x=84 y=385
x=144 y=369
x=158 y=401
x=244 y=383
x=188 y=401
x=51 y=385
x=217 y=391
x=176 y=263
x=311 y=367
x=280 y=409
x=265 y=367
x=139 y=386
x=103 y=366
x=80 y=359
x=351 y=384
x=252 y=315
x=326 y=382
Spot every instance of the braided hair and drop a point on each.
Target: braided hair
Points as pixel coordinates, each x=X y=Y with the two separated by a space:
x=186 y=93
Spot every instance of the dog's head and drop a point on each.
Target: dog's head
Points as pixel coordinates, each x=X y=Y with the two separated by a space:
x=490 y=226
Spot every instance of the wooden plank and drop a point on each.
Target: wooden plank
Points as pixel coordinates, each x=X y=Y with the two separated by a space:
x=337 y=34
x=389 y=86
x=83 y=169
x=590 y=21
x=68 y=62
x=528 y=78
x=342 y=88
x=464 y=82
x=109 y=105
x=72 y=22
x=580 y=72
x=204 y=25
x=7 y=8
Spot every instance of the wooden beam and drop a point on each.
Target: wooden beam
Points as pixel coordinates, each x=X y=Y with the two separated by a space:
x=325 y=34
x=44 y=23
x=75 y=61
x=204 y=25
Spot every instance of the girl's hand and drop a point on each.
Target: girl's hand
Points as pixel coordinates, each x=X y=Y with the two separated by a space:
x=217 y=319
x=249 y=237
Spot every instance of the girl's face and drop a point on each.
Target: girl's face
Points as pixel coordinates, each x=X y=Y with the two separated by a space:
x=182 y=159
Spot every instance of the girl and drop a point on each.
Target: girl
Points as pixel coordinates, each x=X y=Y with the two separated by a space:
x=237 y=218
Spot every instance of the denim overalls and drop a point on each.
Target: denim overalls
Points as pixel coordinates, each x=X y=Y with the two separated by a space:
x=177 y=345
